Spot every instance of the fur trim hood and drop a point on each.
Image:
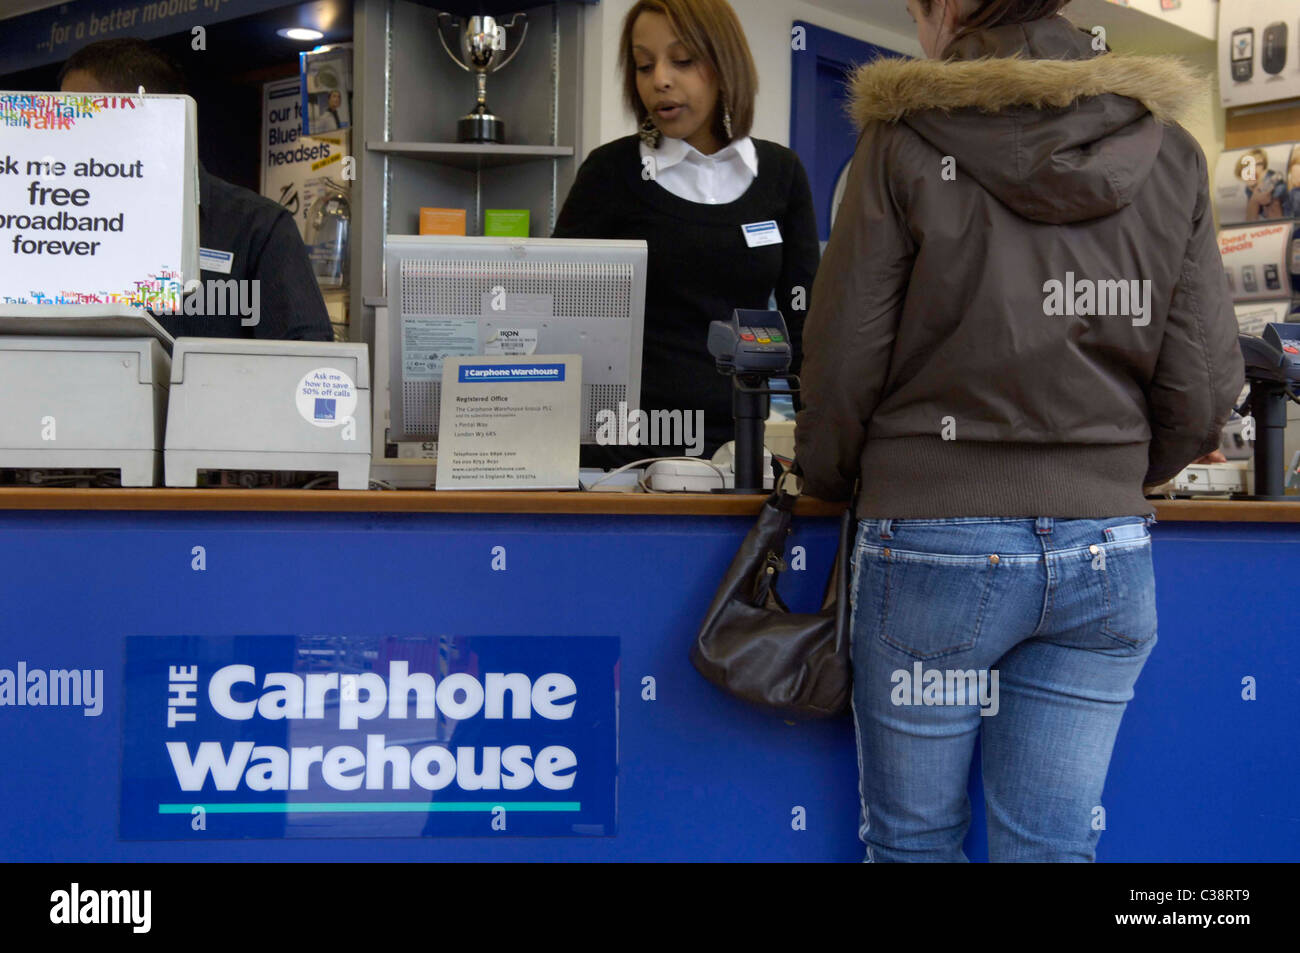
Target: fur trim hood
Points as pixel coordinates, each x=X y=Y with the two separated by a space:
x=890 y=89
x=1033 y=113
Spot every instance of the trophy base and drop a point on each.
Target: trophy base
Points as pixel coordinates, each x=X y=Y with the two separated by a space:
x=480 y=128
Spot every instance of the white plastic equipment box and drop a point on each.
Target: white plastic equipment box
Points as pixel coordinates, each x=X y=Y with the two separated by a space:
x=239 y=404
x=83 y=387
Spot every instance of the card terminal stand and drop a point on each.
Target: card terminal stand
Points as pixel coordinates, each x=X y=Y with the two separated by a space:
x=751 y=348
x=1272 y=370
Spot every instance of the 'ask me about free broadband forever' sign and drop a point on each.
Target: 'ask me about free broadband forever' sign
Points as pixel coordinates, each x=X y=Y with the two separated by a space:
x=98 y=199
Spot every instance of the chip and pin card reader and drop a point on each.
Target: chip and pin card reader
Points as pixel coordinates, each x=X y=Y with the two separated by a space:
x=1272 y=370
x=248 y=404
x=751 y=343
x=83 y=387
x=751 y=347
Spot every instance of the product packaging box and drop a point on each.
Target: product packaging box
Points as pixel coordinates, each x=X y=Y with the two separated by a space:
x=442 y=221
x=507 y=222
x=326 y=79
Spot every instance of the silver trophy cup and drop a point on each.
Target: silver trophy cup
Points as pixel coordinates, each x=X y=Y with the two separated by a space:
x=485 y=44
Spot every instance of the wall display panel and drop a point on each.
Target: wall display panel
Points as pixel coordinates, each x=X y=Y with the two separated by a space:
x=1261 y=261
x=1261 y=183
x=1259 y=51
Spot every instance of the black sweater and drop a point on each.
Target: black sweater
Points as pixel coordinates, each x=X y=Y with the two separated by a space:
x=267 y=248
x=700 y=267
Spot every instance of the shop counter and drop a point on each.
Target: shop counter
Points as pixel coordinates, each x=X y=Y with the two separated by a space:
x=150 y=595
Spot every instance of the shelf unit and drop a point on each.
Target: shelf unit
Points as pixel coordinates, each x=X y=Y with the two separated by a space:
x=408 y=95
x=465 y=155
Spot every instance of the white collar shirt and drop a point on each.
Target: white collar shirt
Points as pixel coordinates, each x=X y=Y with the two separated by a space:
x=709 y=180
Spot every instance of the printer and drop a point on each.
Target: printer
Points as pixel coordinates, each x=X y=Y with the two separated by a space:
x=253 y=405
x=83 y=394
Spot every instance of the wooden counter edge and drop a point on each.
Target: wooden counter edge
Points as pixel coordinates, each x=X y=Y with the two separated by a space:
x=395 y=501
x=540 y=502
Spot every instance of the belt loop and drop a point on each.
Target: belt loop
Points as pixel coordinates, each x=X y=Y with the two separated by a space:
x=1151 y=520
x=1043 y=526
x=885 y=527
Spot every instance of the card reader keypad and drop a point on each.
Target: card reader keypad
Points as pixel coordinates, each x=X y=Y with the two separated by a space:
x=762 y=339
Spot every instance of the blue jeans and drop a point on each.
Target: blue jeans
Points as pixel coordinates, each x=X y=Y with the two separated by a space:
x=1026 y=633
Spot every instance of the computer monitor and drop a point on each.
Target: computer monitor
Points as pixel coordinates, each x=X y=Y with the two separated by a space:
x=453 y=296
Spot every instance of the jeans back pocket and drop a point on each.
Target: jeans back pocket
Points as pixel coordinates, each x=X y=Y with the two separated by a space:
x=1129 y=588
x=928 y=605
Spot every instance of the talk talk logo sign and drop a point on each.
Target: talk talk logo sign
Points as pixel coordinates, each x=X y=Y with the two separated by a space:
x=367 y=736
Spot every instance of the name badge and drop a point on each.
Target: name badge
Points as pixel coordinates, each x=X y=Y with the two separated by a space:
x=761 y=233
x=212 y=260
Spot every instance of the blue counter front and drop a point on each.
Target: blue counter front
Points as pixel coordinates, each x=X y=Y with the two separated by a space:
x=210 y=676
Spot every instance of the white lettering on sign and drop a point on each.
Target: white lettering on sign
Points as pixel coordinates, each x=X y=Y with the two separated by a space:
x=236 y=694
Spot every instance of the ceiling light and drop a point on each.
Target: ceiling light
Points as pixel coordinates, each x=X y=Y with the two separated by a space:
x=301 y=34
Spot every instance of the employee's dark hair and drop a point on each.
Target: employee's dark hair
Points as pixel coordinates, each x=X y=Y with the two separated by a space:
x=126 y=64
x=994 y=13
x=711 y=33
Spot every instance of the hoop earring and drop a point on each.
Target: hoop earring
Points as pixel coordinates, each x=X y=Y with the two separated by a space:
x=649 y=133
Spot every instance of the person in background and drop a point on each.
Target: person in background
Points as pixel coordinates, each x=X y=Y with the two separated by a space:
x=687 y=183
x=259 y=234
x=1001 y=440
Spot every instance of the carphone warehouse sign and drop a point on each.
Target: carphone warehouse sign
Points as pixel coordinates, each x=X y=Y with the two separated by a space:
x=297 y=736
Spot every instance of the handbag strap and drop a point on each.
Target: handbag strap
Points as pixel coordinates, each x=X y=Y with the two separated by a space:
x=789 y=487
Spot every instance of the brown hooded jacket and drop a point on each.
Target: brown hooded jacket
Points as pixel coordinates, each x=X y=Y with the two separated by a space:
x=1022 y=310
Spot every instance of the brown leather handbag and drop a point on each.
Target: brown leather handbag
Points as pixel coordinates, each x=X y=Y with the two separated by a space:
x=752 y=646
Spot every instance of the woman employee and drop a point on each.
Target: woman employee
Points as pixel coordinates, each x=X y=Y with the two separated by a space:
x=1002 y=441
x=687 y=184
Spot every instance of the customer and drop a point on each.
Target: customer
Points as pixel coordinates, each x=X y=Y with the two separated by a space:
x=1021 y=320
x=687 y=184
